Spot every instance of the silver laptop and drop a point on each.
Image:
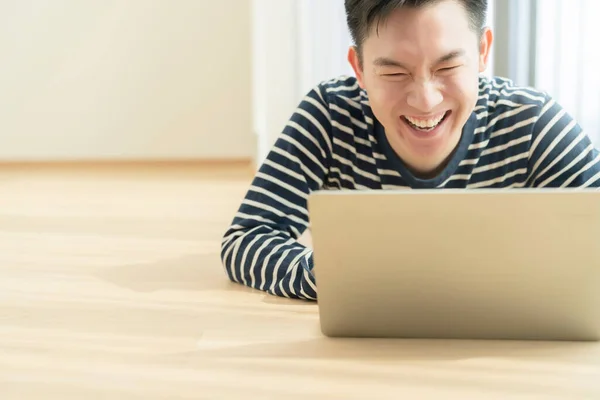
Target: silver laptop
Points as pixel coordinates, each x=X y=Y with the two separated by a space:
x=459 y=264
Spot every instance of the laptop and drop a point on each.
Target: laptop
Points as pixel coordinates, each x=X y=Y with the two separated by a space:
x=520 y=264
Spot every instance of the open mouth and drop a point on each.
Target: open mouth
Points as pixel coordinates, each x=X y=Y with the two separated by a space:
x=426 y=125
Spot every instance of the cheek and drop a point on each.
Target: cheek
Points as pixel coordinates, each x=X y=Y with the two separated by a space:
x=462 y=89
x=387 y=97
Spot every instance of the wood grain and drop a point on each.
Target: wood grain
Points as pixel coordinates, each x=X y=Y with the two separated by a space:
x=111 y=287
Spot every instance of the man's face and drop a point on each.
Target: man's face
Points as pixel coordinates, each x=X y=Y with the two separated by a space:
x=421 y=74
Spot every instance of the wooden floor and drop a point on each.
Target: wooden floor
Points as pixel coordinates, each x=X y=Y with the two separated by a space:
x=111 y=288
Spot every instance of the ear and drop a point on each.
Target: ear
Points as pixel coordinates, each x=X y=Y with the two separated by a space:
x=354 y=60
x=485 y=47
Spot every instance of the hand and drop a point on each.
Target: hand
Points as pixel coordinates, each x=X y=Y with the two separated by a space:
x=306 y=239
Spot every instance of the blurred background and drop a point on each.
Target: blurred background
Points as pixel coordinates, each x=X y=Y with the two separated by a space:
x=217 y=80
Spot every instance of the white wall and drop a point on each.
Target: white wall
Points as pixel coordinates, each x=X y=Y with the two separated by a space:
x=125 y=79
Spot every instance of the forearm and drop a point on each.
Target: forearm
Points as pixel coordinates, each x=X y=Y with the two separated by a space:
x=261 y=248
x=270 y=261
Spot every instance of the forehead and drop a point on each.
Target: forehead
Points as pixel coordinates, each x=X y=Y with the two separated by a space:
x=428 y=30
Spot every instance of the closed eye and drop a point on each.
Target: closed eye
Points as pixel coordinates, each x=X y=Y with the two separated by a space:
x=449 y=68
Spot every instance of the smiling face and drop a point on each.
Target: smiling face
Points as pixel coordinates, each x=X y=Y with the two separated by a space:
x=420 y=70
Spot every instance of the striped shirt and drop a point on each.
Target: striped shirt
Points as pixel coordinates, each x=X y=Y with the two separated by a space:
x=516 y=137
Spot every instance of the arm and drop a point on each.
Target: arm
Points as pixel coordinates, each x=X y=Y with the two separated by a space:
x=261 y=249
x=561 y=154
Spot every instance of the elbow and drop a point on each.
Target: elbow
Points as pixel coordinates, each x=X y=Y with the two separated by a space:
x=226 y=255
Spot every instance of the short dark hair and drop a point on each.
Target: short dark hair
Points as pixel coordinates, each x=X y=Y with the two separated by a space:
x=362 y=14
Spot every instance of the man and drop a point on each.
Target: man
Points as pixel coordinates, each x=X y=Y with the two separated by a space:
x=418 y=114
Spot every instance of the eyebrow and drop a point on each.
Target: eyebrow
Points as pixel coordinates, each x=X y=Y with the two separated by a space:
x=388 y=62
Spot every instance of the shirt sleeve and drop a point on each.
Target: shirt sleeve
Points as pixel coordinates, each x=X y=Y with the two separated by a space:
x=260 y=248
x=561 y=154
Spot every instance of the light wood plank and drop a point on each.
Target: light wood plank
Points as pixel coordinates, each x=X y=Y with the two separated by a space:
x=111 y=287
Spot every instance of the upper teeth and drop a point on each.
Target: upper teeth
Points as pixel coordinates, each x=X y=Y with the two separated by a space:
x=425 y=123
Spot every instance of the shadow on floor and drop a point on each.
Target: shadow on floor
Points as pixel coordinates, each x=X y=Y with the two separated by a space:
x=413 y=349
x=193 y=272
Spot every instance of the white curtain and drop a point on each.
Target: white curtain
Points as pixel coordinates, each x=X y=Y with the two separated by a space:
x=296 y=45
x=323 y=40
x=567 y=58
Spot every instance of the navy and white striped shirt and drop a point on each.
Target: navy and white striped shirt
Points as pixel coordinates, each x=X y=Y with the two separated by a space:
x=516 y=137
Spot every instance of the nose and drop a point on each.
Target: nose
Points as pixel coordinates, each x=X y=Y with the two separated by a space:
x=424 y=97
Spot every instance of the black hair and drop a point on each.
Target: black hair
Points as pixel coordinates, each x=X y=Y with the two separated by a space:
x=362 y=14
